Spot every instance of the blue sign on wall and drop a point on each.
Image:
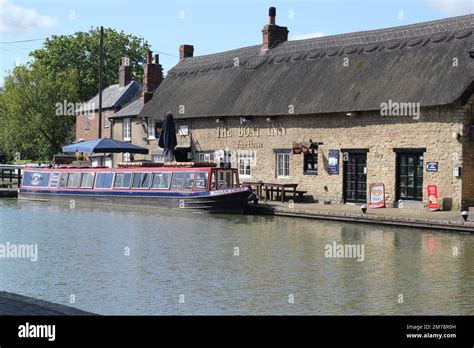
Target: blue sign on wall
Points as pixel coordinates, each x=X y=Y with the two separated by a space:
x=333 y=162
x=431 y=166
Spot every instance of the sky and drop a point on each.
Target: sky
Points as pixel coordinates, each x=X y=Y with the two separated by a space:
x=210 y=25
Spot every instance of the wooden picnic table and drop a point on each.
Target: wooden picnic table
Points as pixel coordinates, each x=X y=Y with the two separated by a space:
x=271 y=188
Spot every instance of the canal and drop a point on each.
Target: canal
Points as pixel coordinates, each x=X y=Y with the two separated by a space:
x=123 y=261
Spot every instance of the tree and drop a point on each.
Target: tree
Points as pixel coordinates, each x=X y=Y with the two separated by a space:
x=28 y=121
x=64 y=70
x=81 y=51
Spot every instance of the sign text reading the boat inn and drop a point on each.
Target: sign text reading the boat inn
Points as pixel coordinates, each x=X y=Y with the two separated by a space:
x=249 y=132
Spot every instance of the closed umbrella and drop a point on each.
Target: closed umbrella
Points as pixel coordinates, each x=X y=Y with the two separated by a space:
x=167 y=139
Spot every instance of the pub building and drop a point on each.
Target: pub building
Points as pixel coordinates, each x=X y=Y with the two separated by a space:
x=334 y=114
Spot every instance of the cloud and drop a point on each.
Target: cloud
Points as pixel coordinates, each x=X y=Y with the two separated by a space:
x=452 y=7
x=18 y=20
x=307 y=36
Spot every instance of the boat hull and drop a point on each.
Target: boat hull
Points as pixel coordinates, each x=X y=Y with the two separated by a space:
x=226 y=201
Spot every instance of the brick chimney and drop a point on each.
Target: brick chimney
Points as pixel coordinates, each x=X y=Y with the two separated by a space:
x=125 y=73
x=152 y=76
x=272 y=33
x=185 y=51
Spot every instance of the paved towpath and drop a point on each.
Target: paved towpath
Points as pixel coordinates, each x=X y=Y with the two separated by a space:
x=443 y=220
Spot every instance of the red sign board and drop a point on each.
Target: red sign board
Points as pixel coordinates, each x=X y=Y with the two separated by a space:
x=377 y=196
x=433 y=202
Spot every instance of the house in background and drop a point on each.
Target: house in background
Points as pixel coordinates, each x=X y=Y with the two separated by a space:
x=114 y=98
x=311 y=111
x=127 y=126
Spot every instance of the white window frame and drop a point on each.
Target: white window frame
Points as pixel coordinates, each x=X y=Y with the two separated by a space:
x=106 y=119
x=241 y=164
x=151 y=129
x=201 y=156
x=88 y=120
x=282 y=164
x=126 y=157
x=127 y=129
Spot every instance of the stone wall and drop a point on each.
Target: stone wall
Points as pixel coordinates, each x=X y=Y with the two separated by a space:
x=435 y=130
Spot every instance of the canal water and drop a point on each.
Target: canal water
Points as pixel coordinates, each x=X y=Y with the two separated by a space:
x=122 y=261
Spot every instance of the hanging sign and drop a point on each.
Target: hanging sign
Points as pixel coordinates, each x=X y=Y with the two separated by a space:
x=333 y=162
x=433 y=202
x=377 y=196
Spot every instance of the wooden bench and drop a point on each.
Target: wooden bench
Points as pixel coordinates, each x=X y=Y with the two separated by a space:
x=297 y=194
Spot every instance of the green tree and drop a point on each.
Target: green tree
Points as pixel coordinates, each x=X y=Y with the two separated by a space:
x=81 y=51
x=29 y=124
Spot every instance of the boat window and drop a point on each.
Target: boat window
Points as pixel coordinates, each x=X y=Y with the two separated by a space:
x=141 y=180
x=224 y=179
x=213 y=180
x=177 y=181
x=188 y=181
x=63 y=180
x=87 y=180
x=161 y=181
x=73 y=180
x=122 y=180
x=201 y=181
x=36 y=179
x=103 y=180
x=54 y=180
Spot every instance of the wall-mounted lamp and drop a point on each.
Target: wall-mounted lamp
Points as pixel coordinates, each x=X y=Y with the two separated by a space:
x=352 y=113
x=270 y=119
x=244 y=120
x=219 y=120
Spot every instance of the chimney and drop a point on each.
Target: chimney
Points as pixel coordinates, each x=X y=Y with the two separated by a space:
x=185 y=51
x=272 y=33
x=125 y=73
x=152 y=76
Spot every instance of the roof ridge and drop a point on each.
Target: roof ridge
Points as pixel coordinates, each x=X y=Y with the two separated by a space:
x=365 y=37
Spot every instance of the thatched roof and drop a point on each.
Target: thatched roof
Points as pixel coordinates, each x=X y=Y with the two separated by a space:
x=411 y=63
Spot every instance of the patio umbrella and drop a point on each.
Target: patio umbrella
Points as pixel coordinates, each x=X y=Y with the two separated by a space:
x=104 y=145
x=167 y=139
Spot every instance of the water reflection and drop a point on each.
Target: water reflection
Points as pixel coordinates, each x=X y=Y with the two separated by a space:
x=82 y=252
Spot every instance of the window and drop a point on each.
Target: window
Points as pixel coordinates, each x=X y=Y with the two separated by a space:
x=73 y=180
x=126 y=157
x=36 y=179
x=244 y=163
x=103 y=180
x=188 y=181
x=63 y=180
x=87 y=180
x=122 y=180
x=88 y=119
x=177 y=181
x=141 y=180
x=224 y=179
x=161 y=181
x=207 y=156
x=283 y=164
x=106 y=120
x=310 y=164
x=127 y=129
x=54 y=180
x=201 y=181
x=151 y=128
x=213 y=180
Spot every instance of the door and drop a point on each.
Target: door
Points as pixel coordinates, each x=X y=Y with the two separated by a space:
x=410 y=176
x=355 y=177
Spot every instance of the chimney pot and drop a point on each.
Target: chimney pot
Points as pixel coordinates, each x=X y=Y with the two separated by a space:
x=148 y=56
x=157 y=59
x=272 y=15
x=125 y=73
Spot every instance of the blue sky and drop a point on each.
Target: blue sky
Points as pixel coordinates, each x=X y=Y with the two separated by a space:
x=210 y=25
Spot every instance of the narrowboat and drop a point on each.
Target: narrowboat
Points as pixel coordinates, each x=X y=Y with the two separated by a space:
x=201 y=186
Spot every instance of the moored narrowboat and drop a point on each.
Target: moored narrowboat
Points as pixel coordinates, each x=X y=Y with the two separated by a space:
x=200 y=186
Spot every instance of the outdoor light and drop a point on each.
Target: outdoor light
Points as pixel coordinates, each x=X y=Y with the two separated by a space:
x=465 y=215
x=244 y=120
x=364 y=208
x=218 y=120
x=269 y=119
